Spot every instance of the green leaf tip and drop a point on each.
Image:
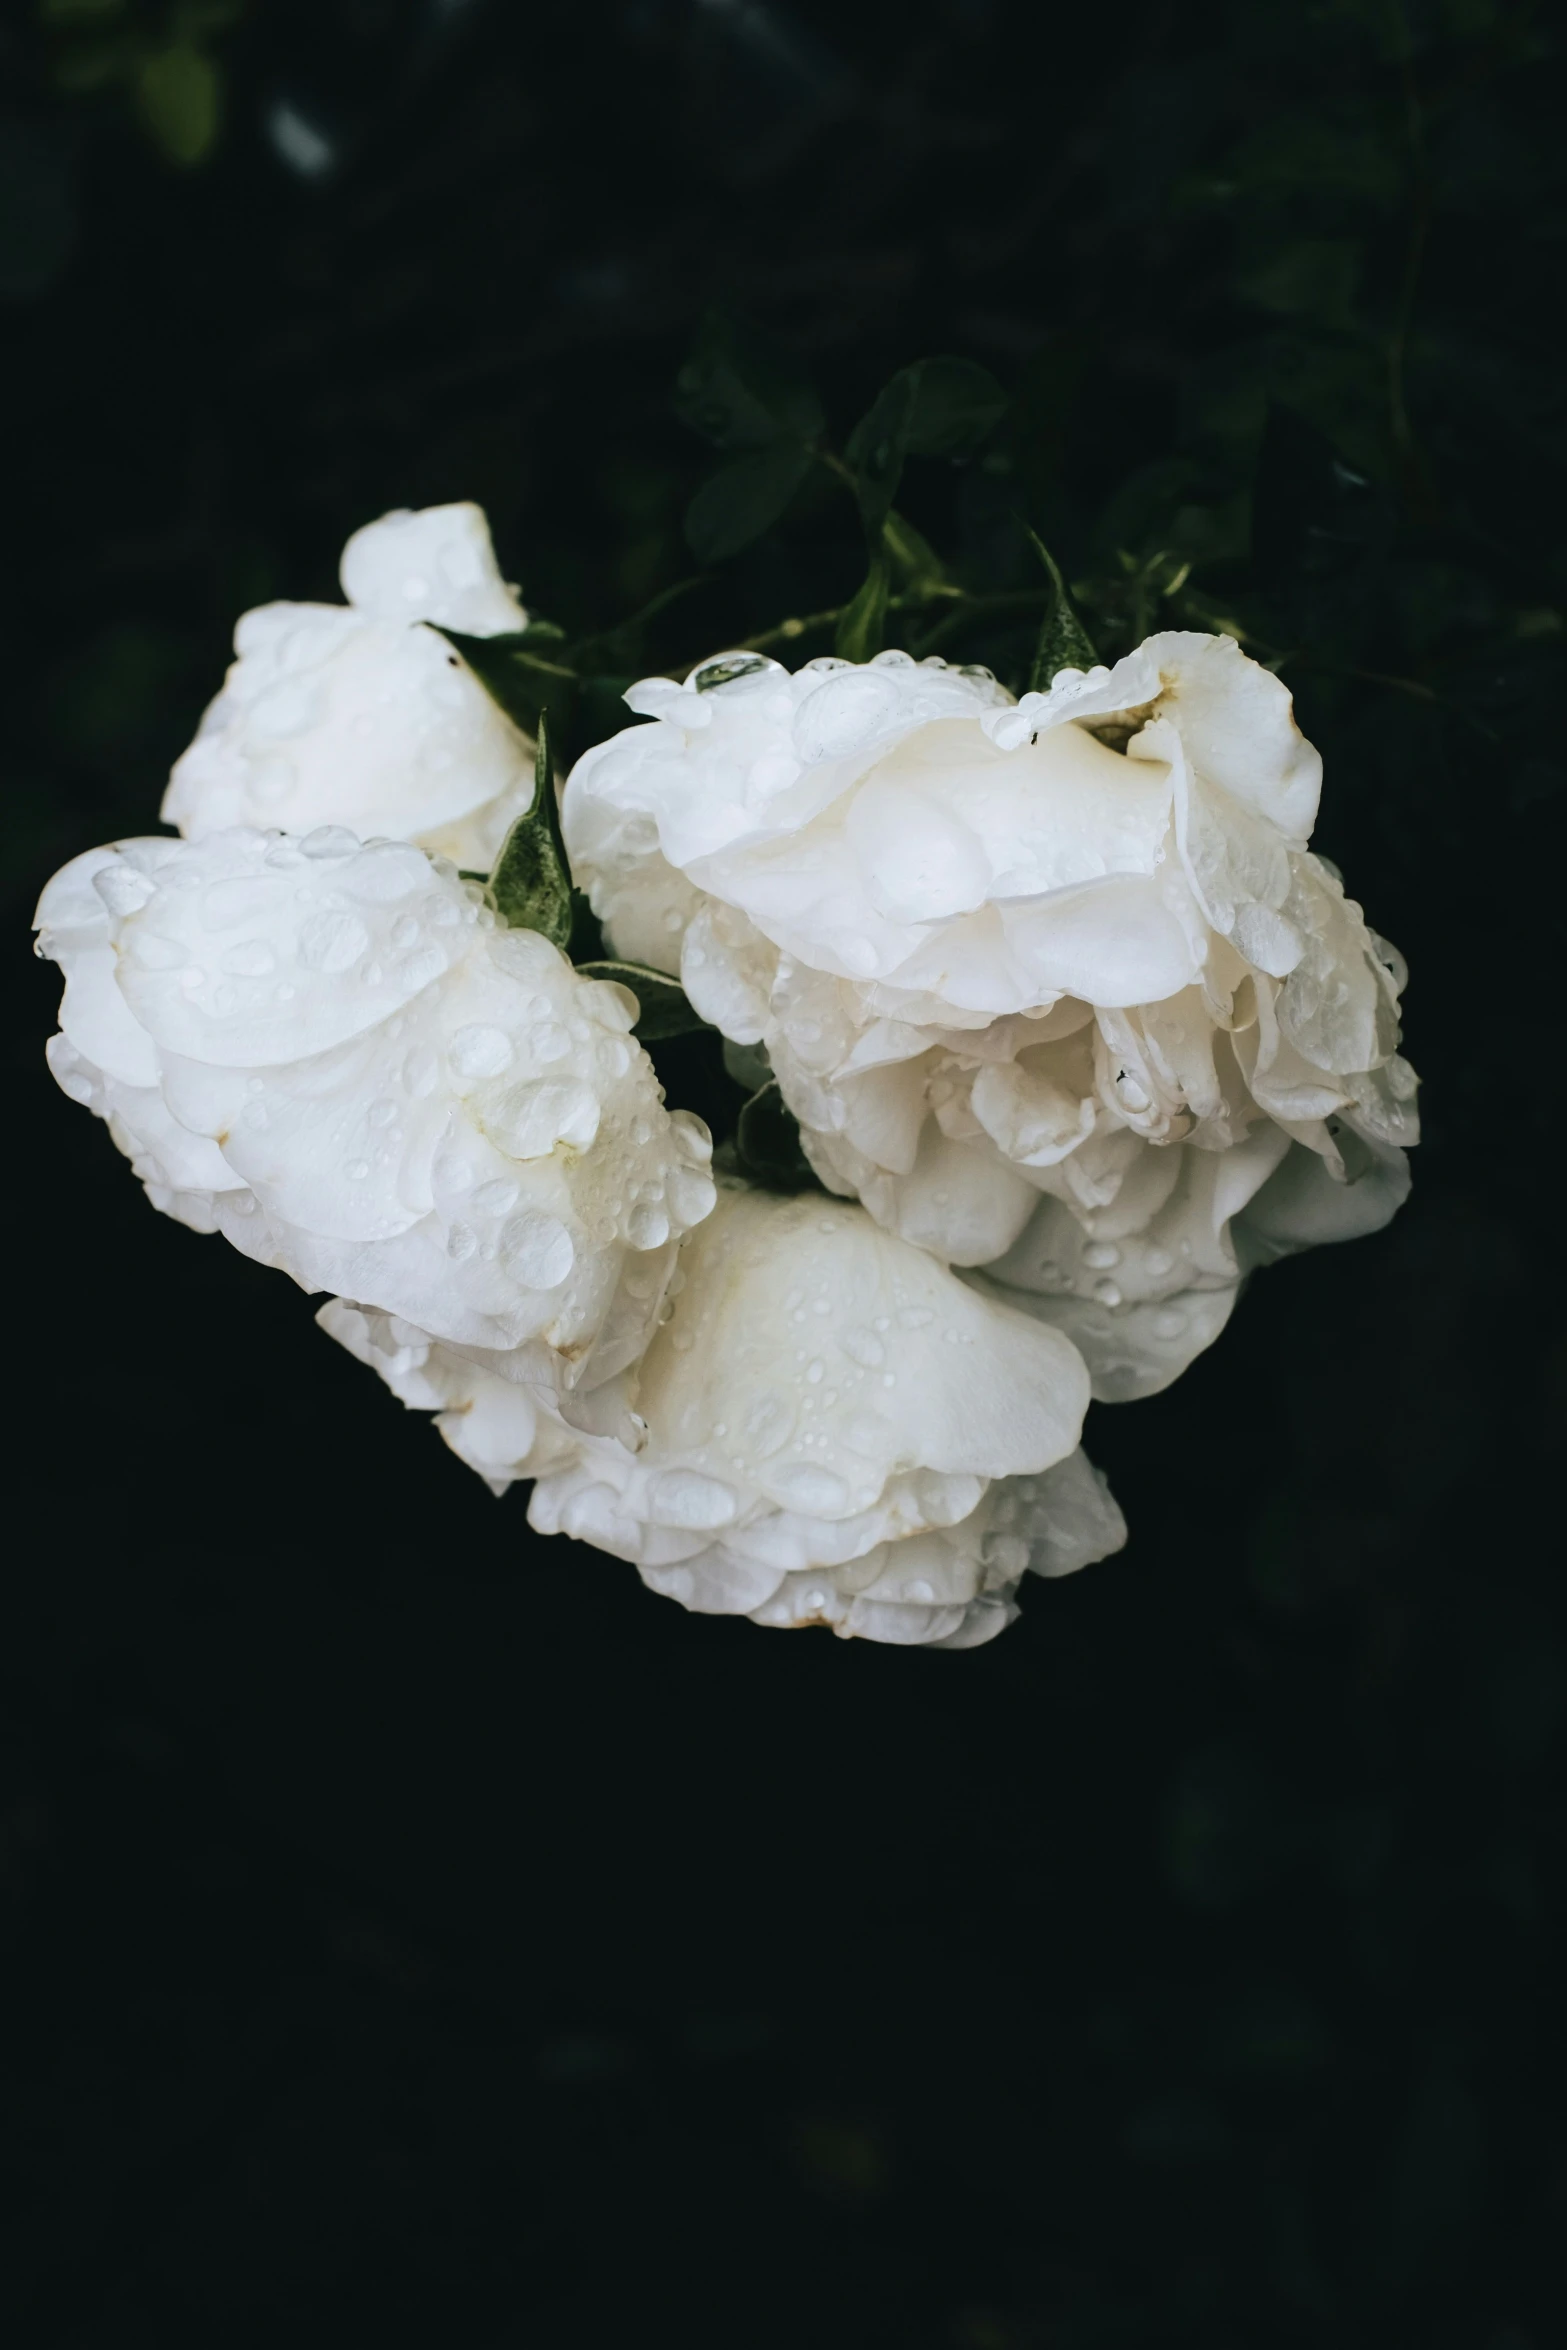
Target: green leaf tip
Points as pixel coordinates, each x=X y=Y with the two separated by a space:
x=530 y=887
x=666 y=1008
x=1064 y=643
x=518 y=670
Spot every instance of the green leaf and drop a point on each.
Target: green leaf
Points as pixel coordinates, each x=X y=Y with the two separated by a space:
x=530 y=887
x=179 y=95
x=878 y=446
x=1064 y=643
x=744 y=498
x=742 y=390
x=767 y=1144
x=916 y=568
x=520 y=671
x=666 y=1008
x=862 y=625
x=936 y=408
x=747 y=1065
x=956 y=405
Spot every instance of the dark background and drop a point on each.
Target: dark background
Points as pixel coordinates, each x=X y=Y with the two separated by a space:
x=413 y=1929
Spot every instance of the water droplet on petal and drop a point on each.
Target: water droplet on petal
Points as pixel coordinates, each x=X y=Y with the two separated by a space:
x=647 y=1227
x=495 y=1197
x=684 y=1498
x=331 y=941
x=537 y=1250
x=479 y=1051
x=815 y=1492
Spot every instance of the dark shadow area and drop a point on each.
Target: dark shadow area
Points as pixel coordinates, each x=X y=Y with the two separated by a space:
x=415 y=1930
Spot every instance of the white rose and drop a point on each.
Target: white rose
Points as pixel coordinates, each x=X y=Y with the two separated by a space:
x=829 y=1428
x=504 y=1428
x=1000 y=951
x=332 y=1054
x=358 y=715
x=1146 y=1281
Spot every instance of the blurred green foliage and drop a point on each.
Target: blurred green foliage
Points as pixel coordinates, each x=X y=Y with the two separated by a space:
x=163 y=57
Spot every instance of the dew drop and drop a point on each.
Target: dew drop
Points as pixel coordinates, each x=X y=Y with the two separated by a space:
x=479 y=1051
x=251 y=959
x=647 y=1227
x=768 y=1426
x=686 y=1499
x=495 y=1197
x=814 y=1491
x=331 y=941
x=537 y=1250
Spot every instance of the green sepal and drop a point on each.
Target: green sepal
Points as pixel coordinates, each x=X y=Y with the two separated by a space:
x=862 y=625
x=519 y=672
x=530 y=887
x=666 y=1008
x=1064 y=643
x=767 y=1144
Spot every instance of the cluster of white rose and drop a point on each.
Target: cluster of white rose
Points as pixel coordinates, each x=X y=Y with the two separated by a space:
x=1075 y=1027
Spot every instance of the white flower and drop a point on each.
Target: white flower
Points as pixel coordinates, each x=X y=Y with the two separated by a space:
x=504 y=1428
x=358 y=715
x=999 y=955
x=332 y=1054
x=828 y=1427
x=1146 y=1281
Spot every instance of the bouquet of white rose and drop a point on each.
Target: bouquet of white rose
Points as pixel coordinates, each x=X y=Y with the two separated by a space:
x=1052 y=1029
